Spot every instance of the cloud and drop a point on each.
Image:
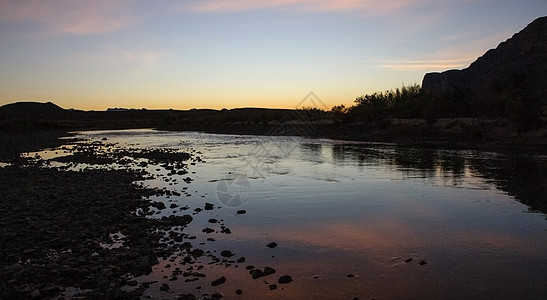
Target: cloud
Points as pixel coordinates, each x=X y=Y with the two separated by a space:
x=442 y=64
x=302 y=6
x=69 y=17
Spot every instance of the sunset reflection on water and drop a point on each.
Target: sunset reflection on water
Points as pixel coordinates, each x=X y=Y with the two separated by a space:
x=402 y=222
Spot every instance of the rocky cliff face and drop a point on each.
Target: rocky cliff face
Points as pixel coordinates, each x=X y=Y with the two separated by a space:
x=517 y=67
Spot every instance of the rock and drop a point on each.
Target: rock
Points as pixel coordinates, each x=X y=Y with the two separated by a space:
x=12 y=268
x=132 y=283
x=408 y=260
x=208 y=230
x=268 y=270
x=218 y=281
x=241 y=260
x=284 y=279
x=239 y=292
x=241 y=212
x=273 y=287
x=213 y=221
x=209 y=206
x=272 y=245
x=257 y=273
x=227 y=253
x=197 y=253
x=422 y=262
x=217 y=295
x=350 y=276
x=164 y=287
x=35 y=294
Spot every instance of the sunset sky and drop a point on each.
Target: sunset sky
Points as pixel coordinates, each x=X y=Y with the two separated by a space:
x=239 y=53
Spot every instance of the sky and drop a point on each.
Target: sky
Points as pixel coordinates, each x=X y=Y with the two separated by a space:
x=94 y=55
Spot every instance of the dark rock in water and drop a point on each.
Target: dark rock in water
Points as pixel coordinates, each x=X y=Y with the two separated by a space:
x=209 y=206
x=213 y=221
x=241 y=260
x=408 y=260
x=218 y=281
x=164 y=287
x=273 y=287
x=187 y=297
x=422 y=262
x=239 y=292
x=350 y=276
x=284 y=279
x=257 y=273
x=272 y=245
x=217 y=295
x=226 y=253
x=268 y=270
x=208 y=230
x=197 y=252
x=241 y=212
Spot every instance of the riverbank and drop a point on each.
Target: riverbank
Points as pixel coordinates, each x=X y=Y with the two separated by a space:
x=82 y=223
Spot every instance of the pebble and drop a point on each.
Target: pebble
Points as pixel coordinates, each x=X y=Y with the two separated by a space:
x=218 y=281
x=272 y=245
x=284 y=279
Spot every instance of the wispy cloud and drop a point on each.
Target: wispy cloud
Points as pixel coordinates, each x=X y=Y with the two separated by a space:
x=69 y=17
x=303 y=6
x=134 y=56
x=441 y=64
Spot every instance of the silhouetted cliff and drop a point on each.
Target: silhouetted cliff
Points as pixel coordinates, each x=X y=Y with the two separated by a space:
x=511 y=79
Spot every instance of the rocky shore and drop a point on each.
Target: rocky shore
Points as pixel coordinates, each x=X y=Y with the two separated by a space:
x=74 y=226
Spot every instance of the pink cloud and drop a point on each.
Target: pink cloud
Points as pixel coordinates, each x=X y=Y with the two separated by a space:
x=303 y=6
x=69 y=17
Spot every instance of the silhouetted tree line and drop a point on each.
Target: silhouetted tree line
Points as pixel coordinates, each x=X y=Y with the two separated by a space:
x=523 y=109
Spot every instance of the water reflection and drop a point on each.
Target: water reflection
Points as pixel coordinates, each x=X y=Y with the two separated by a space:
x=522 y=176
x=374 y=211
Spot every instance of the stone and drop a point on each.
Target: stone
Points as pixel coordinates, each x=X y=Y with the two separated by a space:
x=239 y=292
x=241 y=212
x=208 y=230
x=226 y=253
x=164 y=287
x=218 y=281
x=272 y=245
x=284 y=279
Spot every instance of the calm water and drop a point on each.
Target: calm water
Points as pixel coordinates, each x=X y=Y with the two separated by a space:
x=477 y=219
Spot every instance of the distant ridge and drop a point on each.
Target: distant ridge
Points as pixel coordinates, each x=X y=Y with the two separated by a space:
x=31 y=110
